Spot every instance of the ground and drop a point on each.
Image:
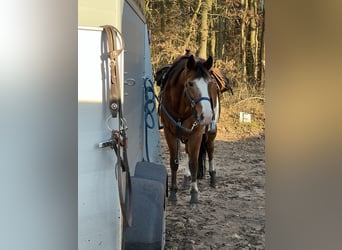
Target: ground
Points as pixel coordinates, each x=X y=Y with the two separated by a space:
x=232 y=216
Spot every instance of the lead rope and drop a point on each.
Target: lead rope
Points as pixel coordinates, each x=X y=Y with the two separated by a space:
x=149 y=109
x=119 y=138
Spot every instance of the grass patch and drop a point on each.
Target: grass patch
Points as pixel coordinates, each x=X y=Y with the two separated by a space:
x=248 y=100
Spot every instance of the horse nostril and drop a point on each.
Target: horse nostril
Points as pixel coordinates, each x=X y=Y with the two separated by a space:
x=204 y=119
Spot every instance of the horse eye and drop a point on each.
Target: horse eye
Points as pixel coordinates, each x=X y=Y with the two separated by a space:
x=191 y=84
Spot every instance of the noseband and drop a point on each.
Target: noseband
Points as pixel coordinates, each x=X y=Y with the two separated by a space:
x=193 y=102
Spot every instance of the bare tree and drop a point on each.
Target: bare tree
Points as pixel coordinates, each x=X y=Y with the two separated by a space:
x=206 y=7
x=192 y=25
x=230 y=30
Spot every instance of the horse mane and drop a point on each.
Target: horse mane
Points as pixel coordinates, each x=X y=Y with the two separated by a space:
x=201 y=71
x=161 y=73
x=178 y=67
x=222 y=81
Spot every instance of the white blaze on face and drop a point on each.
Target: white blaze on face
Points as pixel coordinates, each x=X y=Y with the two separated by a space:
x=206 y=107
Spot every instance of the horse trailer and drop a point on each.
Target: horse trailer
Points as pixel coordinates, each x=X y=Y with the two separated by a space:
x=118 y=208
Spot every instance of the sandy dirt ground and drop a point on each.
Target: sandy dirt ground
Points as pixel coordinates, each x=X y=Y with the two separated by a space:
x=232 y=216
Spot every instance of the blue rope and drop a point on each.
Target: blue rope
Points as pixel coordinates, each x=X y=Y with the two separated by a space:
x=149 y=109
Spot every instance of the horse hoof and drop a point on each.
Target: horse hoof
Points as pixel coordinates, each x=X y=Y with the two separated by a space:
x=173 y=197
x=200 y=175
x=213 y=181
x=194 y=197
x=173 y=194
x=173 y=202
x=186 y=182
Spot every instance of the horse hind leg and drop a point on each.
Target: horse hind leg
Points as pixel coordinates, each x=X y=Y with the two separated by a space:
x=187 y=174
x=212 y=173
x=212 y=170
x=187 y=178
x=202 y=158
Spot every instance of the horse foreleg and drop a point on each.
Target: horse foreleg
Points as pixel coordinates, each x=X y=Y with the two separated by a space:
x=172 y=144
x=193 y=164
x=193 y=153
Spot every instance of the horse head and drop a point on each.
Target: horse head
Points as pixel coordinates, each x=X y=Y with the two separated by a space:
x=198 y=88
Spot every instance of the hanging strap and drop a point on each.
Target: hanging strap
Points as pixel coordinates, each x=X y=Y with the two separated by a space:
x=119 y=138
x=113 y=36
x=125 y=202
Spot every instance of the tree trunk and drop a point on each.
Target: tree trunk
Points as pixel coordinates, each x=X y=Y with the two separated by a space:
x=244 y=33
x=253 y=44
x=162 y=16
x=261 y=75
x=220 y=39
x=204 y=28
x=193 y=19
x=213 y=31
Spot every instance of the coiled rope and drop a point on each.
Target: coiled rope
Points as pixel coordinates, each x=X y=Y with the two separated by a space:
x=149 y=109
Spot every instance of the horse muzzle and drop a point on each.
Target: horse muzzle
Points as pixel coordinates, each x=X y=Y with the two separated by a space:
x=206 y=114
x=205 y=118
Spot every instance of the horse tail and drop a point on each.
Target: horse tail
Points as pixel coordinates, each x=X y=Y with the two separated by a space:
x=201 y=157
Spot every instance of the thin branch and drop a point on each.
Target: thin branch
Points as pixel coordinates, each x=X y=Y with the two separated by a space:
x=249 y=98
x=187 y=41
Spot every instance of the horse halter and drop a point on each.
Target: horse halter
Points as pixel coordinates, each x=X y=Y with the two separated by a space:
x=193 y=101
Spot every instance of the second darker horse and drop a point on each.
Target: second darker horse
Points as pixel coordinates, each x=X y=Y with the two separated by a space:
x=207 y=144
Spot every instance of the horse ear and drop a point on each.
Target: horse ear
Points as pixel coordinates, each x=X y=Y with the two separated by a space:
x=208 y=63
x=191 y=62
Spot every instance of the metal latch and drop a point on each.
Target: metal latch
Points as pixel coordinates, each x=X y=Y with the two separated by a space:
x=113 y=142
x=105 y=144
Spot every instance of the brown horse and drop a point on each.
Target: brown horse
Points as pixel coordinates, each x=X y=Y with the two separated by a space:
x=188 y=100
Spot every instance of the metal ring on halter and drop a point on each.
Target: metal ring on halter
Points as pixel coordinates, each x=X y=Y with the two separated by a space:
x=123 y=124
x=107 y=123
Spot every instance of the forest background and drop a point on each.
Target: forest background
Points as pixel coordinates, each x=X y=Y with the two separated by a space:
x=232 y=31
